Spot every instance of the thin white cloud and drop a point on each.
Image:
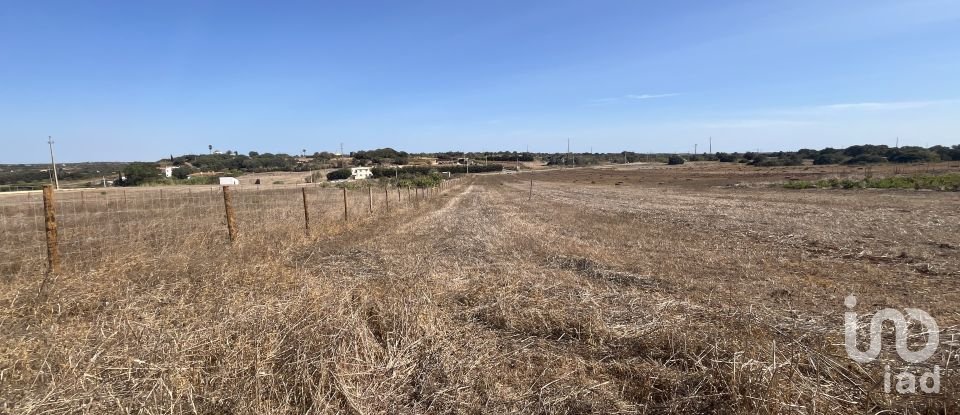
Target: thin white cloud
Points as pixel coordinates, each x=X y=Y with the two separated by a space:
x=879 y=106
x=855 y=107
x=650 y=96
x=629 y=97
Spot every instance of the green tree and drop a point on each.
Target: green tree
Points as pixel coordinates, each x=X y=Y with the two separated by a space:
x=675 y=159
x=136 y=174
x=182 y=173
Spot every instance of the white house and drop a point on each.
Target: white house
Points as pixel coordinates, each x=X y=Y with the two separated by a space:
x=228 y=181
x=360 y=173
x=168 y=170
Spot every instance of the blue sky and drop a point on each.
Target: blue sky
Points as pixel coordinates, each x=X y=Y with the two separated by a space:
x=140 y=80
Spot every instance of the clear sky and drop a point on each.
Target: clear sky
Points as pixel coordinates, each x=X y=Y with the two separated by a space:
x=139 y=80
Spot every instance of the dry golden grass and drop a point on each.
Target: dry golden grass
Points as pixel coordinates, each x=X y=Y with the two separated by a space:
x=583 y=299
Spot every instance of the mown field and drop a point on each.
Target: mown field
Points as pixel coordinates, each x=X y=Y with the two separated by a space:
x=636 y=289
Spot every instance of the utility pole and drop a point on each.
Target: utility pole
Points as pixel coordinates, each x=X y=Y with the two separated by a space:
x=56 y=180
x=898 y=142
x=694 y=149
x=568 y=149
x=711 y=145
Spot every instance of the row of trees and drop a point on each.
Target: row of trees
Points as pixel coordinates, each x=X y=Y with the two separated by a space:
x=858 y=154
x=39 y=174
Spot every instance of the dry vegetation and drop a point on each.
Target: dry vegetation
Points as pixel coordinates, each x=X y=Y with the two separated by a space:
x=588 y=298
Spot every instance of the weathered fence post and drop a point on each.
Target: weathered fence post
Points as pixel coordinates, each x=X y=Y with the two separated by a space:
x=50 y=219
x=83 y=202
x=306 y=212
x=386 y=197
x=531 y=190
x=370 y=197
x=231 y=218
x=345 y=204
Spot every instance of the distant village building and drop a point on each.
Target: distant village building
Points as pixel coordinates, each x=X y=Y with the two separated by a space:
x=168 y=170
x=229 y=181
x=360 y=173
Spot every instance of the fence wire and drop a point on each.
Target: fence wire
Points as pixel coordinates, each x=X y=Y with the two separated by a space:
x=94 y=223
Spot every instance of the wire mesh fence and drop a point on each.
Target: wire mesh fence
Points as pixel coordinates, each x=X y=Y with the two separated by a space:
x=93 y=223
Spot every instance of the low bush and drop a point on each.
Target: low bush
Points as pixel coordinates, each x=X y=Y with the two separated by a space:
x=339 y=174
x=944 y=182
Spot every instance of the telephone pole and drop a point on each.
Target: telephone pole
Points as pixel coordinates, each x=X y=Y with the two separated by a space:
x=568 y=149
x=694 y=149
x=53 y=163
x=711 y=145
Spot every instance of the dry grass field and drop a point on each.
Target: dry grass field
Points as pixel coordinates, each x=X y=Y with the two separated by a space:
x=638 y=289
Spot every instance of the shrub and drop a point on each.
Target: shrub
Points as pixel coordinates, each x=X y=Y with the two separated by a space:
x=912 y=155
x=944 y=182
x=182 y=173
x=726 y=158
x=829 y=158
x=339 y=174
x=675 y=160
x=799 y=184
x=866 y=159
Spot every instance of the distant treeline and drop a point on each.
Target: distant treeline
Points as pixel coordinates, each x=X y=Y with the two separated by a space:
x=233 y=163
x=34 y=175
x=858 y=154
x=853 y=155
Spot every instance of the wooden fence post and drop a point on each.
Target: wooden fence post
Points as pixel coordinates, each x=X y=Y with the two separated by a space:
x=50 y=219
x=345 y=217
x=386 y=197
x=306 y=212
x=231 y=218
x=398 y=195
x=370 y=196
x=531 y=190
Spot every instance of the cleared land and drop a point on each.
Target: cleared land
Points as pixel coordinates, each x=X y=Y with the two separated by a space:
x=660 y=294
